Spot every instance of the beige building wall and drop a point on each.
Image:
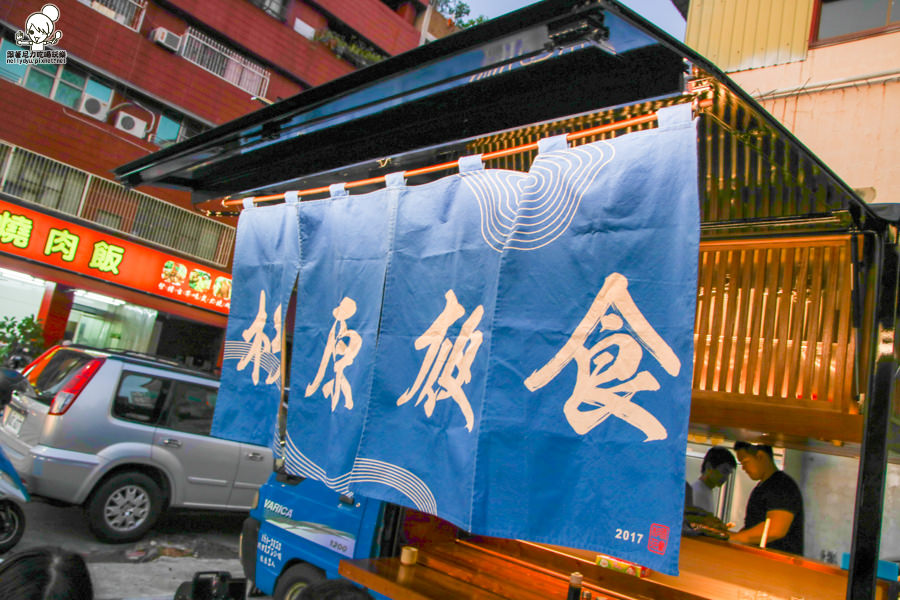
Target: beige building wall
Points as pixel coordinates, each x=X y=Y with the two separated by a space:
x=843 y=102
x=749 y=33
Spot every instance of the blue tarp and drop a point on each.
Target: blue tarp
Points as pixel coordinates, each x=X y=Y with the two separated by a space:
x=509 y=351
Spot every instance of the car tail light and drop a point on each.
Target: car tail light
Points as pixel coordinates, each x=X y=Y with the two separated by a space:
x=33 y=370
x=65 y=397
x=42 y=359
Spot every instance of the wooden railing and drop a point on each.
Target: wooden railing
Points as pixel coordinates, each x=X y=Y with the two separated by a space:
x=773 y=331
x=37 y=179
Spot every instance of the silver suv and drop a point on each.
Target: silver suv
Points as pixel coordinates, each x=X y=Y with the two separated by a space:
x=126 y=436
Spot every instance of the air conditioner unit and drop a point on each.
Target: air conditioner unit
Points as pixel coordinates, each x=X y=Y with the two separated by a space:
x=94 y=107
x=304 y=29
x=166 y=39
x=131 y=124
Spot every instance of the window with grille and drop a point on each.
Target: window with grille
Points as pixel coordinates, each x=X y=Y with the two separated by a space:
x=129 y=13
x=227 y=63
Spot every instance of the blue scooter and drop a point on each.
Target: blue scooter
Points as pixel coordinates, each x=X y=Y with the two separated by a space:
x=12 y=493
x=12 y=496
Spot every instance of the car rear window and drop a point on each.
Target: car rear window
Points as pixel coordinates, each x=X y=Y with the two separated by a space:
x=51 y=374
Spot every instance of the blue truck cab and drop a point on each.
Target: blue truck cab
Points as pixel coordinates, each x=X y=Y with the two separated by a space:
x=300 y=530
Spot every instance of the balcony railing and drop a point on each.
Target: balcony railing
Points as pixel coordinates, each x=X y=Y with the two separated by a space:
x=129 y=13
x=221 y=60
x=34 y=178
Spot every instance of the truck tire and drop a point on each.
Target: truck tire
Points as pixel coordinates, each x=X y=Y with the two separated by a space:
x=12 y=524
x=294 y=579
x=124 y=508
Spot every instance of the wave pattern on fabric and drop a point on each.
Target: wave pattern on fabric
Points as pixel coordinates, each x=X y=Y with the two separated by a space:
x=364 y=471
x=537 y=206
x=235 y=350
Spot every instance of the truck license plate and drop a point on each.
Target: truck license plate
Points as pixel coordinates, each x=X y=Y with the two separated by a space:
x=14 y=420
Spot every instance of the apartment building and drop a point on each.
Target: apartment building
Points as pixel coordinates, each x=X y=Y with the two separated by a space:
x=87 y=85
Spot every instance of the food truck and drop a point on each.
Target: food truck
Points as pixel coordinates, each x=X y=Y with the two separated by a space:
x=668 y=210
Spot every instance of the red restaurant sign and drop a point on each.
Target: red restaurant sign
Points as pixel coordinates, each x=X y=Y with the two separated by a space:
x=58 y=243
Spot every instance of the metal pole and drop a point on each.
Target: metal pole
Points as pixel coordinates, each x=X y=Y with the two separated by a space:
x=8 y=162
x=870 y=485
x=81 y=202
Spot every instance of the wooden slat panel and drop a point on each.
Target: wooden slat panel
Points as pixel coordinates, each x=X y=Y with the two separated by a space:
x=740 y=361
x=717 y=306
x=756 y=319
x=773 y=324
x=828 y=308
x=845 y=347
x=769 y=304
x=793 y=375
x=731 y=313
x=701 y=329
x=784 y=294
x=812 y=330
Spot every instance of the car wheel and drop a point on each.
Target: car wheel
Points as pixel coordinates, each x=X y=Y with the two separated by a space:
x=124 y=508
x=12 y=525
x=294 y=579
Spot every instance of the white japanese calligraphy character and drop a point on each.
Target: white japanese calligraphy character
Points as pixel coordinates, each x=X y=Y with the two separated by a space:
x=447 y=363
x=616 y=357
x=341 y=354
x=261 y=350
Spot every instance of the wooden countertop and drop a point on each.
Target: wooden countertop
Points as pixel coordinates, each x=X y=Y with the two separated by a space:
x=417 y=582
x=428 y=580
x=497 y=569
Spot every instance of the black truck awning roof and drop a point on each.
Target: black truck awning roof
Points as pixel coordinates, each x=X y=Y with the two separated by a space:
x=545 y=61
x=550 y=59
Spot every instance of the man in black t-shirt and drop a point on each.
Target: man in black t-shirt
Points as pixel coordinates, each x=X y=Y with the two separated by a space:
x=776 y=497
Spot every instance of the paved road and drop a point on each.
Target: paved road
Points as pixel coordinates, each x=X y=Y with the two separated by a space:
x=181 y=544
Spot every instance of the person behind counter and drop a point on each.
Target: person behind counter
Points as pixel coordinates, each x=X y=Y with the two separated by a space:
x=776 y=497
x=717 y=465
